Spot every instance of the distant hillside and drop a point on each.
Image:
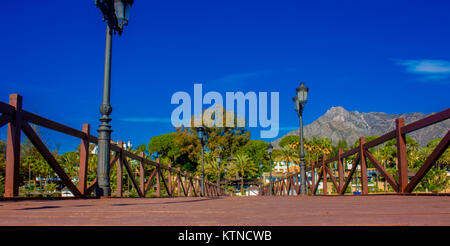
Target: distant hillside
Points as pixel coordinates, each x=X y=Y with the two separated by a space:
x=338 y=123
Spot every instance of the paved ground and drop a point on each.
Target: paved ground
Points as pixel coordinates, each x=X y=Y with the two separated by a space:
x=231 y=211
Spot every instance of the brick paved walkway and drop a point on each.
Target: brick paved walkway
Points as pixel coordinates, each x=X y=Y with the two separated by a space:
x=231 y=211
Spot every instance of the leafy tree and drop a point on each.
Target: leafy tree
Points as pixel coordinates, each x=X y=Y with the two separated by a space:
x=221 y=140
x=32 y=162
x=257 y=152
x=142 y=148
x=164 y=145
x=290 y=140
x=70 y=161
x=445 y=157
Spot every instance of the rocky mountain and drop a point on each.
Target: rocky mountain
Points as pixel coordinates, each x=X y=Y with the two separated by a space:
x=338 y=123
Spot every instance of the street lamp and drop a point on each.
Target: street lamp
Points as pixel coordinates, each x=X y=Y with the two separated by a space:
x=260 y=178
x=300 y=100
x=218 y=173
x=201 y=134
x=116 y=14
x=269 y=151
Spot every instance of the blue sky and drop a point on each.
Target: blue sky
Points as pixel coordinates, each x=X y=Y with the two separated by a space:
x=384 y=56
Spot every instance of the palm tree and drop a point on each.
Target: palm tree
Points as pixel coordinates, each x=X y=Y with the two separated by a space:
x=243 y=165
x=210 y=166
x=288 y=155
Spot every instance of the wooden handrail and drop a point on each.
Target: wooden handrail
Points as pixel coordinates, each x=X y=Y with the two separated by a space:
x=8 y=115
x=363 y=150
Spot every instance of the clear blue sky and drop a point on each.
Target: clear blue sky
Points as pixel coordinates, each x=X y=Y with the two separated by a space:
x=385 y=56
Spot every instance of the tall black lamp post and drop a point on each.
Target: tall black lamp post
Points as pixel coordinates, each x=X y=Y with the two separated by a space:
x=300 y=100
x=116 y=14
x=269 y=151
x=201 y=134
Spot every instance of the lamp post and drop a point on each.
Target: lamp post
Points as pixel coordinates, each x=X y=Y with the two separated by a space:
x=260 y=178
x=269 y=151
x=218 y=173
x=116 y=14
x=300 y=100
x=201 y=134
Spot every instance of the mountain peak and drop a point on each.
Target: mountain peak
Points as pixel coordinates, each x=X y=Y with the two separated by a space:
x=339 y=124
x=336 y=113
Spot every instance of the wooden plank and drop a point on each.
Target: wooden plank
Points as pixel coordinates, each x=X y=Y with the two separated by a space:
x=382 y=171
x=319 y=177
x=6 y=108
x=164 y=182
x=193 y=187
x=5 y=119
x=41 y=121
x=142 y=174
x=181 y=185
x=332 y=179
x=150 y=179
x=434 y=156
x=363 y=163
x=84 y=160
x=158 y=182
x=352 y=171
x=313 y=177
x=402 y=155
x=350 y=152
x=340 y=170
x=40 y=146
x=133 y=180
x=12 y=163
x=386 y=137
x=430 y=120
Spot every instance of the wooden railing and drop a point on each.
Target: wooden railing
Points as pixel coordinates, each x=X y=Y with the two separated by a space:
x=178 y=183
x=290 y=185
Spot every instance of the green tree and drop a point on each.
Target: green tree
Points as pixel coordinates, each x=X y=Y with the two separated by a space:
x=70 y=161
x=243 y=166
x=289 y=156
x=257 y=152
x=165 y=146
x=223 y=140
x=290 y=140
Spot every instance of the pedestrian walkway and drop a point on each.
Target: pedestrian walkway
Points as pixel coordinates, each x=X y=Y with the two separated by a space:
x=231 y=211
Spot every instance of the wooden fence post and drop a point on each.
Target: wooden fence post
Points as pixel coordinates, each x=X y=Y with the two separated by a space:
x=13 y=148
x=169 y=177
x=179 y=182
x=401 y=155
x=119 y=192
x=313 y=177
x=341 y=171
x=364 y=187
x=158 y=181
x=84 y=160
x=324 y=178
x=142 y=173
